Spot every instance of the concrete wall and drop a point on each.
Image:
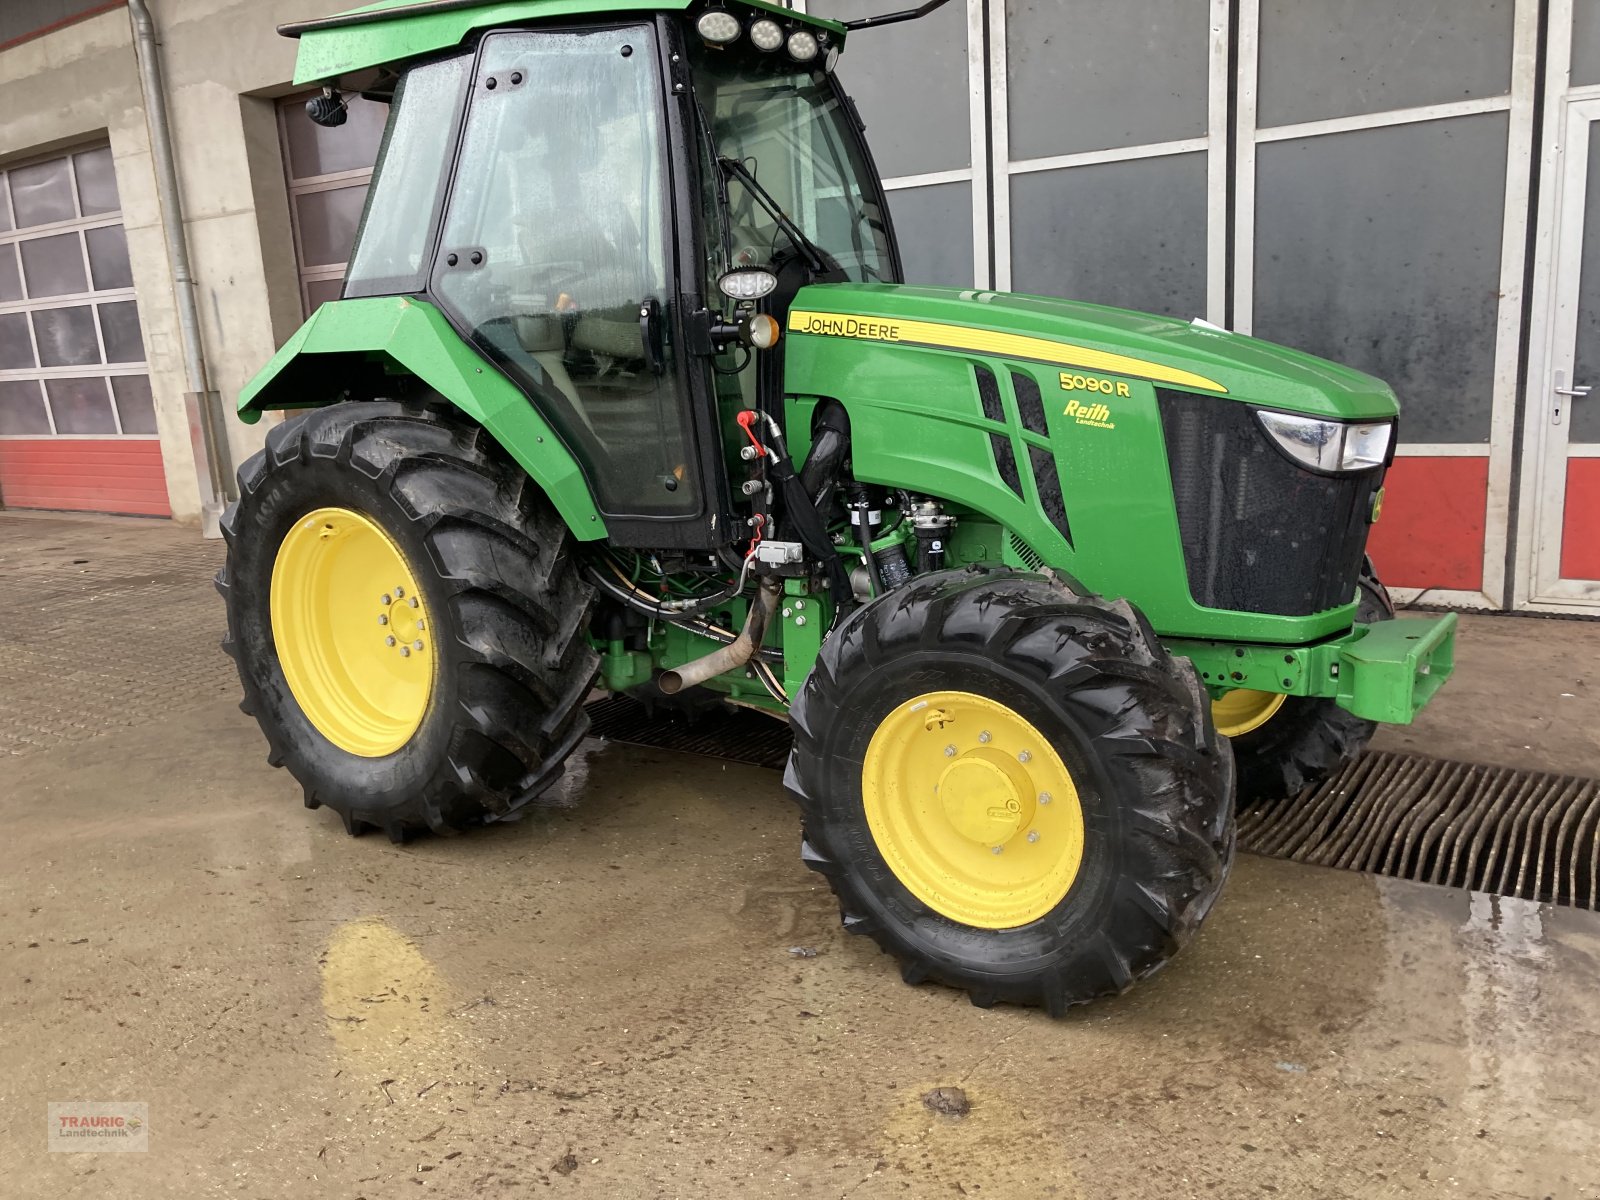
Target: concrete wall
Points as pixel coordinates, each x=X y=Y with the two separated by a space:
x=223 y=65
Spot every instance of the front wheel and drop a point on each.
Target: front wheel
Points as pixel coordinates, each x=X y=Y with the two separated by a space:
x=1012 y=788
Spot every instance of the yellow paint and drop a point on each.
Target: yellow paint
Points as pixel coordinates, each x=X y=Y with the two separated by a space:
x=379 y=990
x=940 y=336
x=973 y=809
x=352 y=632
x=1093 y=383
x=1243 y=710
x=1096 y=415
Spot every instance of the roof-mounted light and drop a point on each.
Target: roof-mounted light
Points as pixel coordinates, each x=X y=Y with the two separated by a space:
x=803 y=45
x=766 y=34
x=718 y=26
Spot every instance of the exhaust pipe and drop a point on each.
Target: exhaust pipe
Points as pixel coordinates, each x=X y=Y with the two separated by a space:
x=732 y=656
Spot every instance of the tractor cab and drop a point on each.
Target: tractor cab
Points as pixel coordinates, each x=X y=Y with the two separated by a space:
x=616 y=212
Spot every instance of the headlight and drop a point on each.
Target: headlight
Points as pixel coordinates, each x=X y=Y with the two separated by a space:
x=718 y=27
x=767 y=35
x=1330 y=445
x=803 y=45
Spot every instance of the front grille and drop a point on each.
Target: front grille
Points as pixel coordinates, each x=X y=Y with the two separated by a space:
x=1260 y=532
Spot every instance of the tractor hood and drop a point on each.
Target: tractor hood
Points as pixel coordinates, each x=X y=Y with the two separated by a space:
x=1092 y=339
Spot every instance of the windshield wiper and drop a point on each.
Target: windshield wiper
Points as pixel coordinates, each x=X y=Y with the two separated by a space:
x=815 y=256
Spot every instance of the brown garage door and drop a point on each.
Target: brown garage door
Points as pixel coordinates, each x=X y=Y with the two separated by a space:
x=77 y=424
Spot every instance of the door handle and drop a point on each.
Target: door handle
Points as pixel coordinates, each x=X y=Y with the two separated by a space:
x=1560 y=388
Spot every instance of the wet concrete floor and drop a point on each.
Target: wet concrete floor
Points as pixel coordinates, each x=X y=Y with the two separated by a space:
x=610 y=999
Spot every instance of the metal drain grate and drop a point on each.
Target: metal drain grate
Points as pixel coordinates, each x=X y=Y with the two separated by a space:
x=1493 y=829
x=738 y=736
x=1514 y=833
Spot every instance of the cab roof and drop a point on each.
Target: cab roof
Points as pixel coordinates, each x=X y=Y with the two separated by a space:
x=393 y=31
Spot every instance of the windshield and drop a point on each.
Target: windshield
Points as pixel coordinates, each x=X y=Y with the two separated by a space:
x=788 y=128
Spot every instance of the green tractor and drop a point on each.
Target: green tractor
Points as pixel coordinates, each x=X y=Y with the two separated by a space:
x=624 y=391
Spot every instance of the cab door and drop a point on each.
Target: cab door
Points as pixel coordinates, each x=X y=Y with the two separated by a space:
x=557 y=257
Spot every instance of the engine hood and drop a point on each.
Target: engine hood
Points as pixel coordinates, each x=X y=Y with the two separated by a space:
x=1092 y=339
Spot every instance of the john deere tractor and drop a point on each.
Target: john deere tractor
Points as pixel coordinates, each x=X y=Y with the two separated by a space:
x=624 y=391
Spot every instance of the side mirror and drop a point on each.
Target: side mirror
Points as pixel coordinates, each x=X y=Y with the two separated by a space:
x=748 y=283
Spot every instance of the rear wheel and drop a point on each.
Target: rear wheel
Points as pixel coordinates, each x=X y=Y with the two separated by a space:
x=1012 y=788
x=1285 y=744
x=406 y=618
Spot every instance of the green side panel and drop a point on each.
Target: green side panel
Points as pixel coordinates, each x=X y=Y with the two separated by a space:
x=902 y=361
x=406 y=336
x=397 y=36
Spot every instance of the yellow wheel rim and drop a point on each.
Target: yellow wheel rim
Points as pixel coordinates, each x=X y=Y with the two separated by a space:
x=1242 y=710
x=352 y=632
x=973 y=810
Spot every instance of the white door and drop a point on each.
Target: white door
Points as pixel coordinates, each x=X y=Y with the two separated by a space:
x=1564 y=384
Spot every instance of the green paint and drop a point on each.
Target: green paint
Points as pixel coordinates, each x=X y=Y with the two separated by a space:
x=805 y=618
x=1382 y=672
x=916 y=423
x=328 y=53
x=406 y=336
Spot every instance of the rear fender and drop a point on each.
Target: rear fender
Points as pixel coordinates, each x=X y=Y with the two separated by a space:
x=346 y=340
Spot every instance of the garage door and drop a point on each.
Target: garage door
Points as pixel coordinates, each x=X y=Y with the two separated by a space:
x=77 y=425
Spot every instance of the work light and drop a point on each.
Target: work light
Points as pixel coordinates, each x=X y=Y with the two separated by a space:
x=803 y=45
x=718 y=27
x=1329 y=445
x=766 y=34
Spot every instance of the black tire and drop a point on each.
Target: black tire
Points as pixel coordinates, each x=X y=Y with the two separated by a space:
x=507 y=606
x=1132 y=726
x=1307 y=740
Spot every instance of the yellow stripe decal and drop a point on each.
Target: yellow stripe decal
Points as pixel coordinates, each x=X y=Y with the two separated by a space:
x=986 y=341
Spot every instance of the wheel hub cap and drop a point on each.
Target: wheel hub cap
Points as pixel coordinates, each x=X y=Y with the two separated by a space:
x=972 y=809
x=352 y=632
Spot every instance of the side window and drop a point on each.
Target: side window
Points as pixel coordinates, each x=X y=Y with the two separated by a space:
x=556 y=252
x=410 y=175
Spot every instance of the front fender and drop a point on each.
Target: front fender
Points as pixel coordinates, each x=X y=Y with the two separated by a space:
x=398 y=335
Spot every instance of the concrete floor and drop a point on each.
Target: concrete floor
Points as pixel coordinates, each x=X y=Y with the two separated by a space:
x=603 y=1000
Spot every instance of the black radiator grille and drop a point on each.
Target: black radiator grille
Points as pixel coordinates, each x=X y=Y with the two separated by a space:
x=1260 y=532
x=1005 y=457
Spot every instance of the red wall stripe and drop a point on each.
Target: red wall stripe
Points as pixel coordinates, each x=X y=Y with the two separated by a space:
x=114 y=475
x=1432 y=530
x=1580 y=533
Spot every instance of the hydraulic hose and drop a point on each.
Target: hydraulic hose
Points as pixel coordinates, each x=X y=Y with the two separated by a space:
x=732 y=656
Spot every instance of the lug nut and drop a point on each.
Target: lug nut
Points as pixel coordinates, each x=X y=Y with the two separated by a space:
x=417 y=645
x=999 y=849
x=984 y=736
x=421 y=625
x=405 y=652
x=949 y=751
x=399 y=592
x=1045 y=797
x=383 y=618
x=1024 y=756
x=1033 y=835
x=387 y=600
x=389 y=641
x=415 y=603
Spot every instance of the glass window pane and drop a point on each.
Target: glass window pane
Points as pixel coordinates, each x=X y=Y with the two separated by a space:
x=328 y=224
x=1585 y=43
x=934 y=225
x=317 y=150
x=319 y=292
x=42 y=193
x=916 y=127
x=135 y=405
x=565 y=271
x=5 y=204
x=1130 y=234
x=97 y=182
x=53 y=266
x=10 y=278
x=1322 y=60
x=394 y=230
x=81 y=405
x=1585 y=425
x=1380 y=249
x=119 y=328
x=66 y=337
x=108 y=257
x=1079 y=81
x=22 y=408
x=16 y=348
